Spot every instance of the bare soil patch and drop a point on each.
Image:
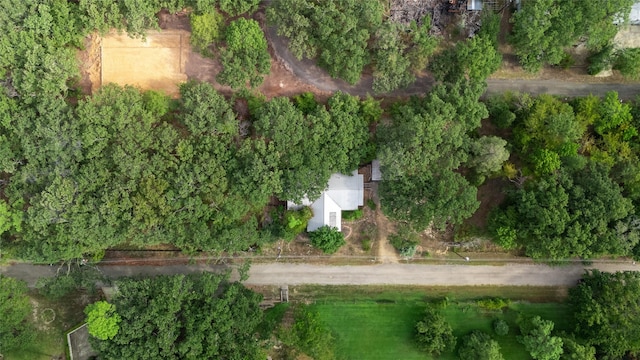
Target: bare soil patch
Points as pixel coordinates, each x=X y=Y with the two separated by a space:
x=164 y=59
x=156 y=62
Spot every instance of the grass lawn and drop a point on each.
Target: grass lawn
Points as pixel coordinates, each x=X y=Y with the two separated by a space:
x=51 y=319
x=370 y=326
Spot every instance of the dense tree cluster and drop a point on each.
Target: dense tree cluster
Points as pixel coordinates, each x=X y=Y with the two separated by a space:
x=183 y=317
x=605 y=306
x=347 y=35
x=420 y=152
x=15 y=310
x=129 y=167
x=544 y=28
x=576 y=190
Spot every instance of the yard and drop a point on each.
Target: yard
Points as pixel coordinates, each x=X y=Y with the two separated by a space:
x=380 y=325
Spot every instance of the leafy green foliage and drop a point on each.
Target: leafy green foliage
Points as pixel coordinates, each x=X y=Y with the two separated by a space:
x=15 y=309
x=433 y=333
x=479 y=346
x=308 y=335
x=296 y=222
x=392 y=69
x=476 y=59
x=102 y=320
x=628 y=63
x=419 y=151
x=493 y=303
x=237 y=7
x=604 y=308
x=78 y=278
x=310 y=147
x=501 y=327
x=543 y=28
x=537 y=339
x=574 y=350
x=569 y=215
x=487 y=154
x=199 y=316
x=352 y=215
x=327 y=238
x=405 y=240
x=337 y=32
x=600 y=61
x=206 y=29
x=245 y=58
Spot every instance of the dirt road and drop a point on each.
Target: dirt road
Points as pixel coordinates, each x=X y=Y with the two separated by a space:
x=307 y=71
x=387 y=274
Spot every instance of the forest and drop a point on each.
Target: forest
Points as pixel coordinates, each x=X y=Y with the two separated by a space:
x=81 y=174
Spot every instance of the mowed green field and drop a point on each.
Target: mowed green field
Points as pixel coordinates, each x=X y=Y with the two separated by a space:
x=379 y=330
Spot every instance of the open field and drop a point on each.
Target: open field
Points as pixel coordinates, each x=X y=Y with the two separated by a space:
x=157 y=62
x=379 y=324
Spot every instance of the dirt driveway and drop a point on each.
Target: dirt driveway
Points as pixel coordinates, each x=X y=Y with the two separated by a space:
x=381 y=274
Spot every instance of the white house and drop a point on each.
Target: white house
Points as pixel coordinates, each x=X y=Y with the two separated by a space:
x=344 y=192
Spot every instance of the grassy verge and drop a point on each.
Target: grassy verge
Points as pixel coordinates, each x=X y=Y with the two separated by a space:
x=377 y=322
x=421 y=293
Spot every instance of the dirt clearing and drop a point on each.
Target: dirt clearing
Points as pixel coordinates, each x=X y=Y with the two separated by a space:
x=157 y=62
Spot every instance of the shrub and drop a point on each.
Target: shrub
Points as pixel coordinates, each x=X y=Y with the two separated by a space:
x=295 y=222
x=501 y=327
x=371 y=204
x=628 y=63
x=405 y=241
x=309 y=335
x=479 y=346
x=305 y=102
x=237 y=7
x=600 y=61
x=433 y=334
x=352 y=215
x=205 y=30
x=328 y=239
x=366 y=244
x=494 y=303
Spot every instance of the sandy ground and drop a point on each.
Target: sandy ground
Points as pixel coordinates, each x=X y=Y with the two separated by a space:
x=157 y=62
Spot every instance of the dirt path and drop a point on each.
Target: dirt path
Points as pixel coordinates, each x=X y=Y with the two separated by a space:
x=308 y=72
x=390 y=274
x=385 y=253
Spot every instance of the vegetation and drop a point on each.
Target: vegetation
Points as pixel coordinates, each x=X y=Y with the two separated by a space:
x=479 y=346
x=433 y=333
x=347 y=35
x=604 y=306
x=15 y=308
x=328 y=239
x=405 y=240
x=537 y=339
x=419 y=152
x=206 y=29
x=308 y=335
x=543 y=28
x=245 y=58
x=102 y=320
x=200 y=316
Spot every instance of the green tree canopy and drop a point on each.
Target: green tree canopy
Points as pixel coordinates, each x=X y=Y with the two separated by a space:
x=605 y=306
x=196 y=316
x=15 y=309
x=479 y=346
x=245 y=58
x=433 y=333
x=537 y=339
x=102 y=320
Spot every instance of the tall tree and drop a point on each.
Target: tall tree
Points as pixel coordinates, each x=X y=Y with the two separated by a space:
x=604 y=307
x=196 y=316
x=15 y=310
